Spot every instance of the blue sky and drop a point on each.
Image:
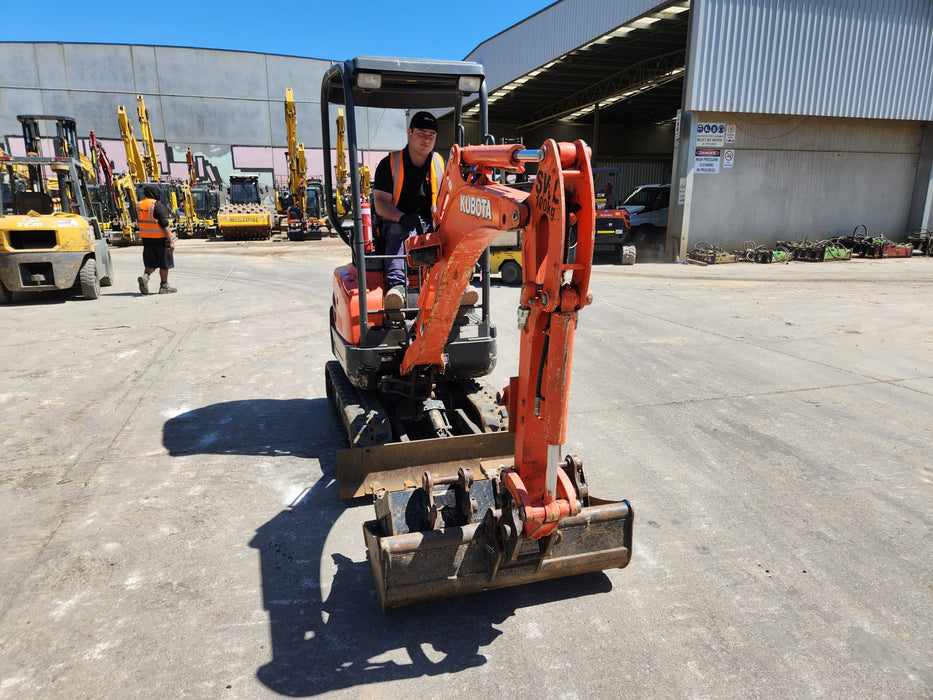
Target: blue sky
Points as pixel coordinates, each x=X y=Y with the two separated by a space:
x=334 y=29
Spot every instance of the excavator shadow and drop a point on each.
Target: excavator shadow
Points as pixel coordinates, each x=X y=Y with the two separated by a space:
x=261 y=427
x=344 y=641
x=327 y=632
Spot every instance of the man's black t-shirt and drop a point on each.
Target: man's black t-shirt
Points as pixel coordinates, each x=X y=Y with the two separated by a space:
x=160 y=214
x=415 y=197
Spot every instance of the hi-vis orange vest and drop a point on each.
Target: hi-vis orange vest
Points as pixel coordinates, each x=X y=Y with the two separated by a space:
x=398 y=175
x=148 y=226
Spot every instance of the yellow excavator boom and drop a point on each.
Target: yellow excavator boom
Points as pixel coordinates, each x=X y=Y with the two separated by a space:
x=342 y=171
x=134 y=158
x=296 y=150
x=150 y=159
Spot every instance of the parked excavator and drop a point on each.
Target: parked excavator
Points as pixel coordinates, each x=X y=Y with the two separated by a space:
x=116 y=202
x=342 y=198
x=144 y=167
x=292 y=201
x=467 y=496
x=199 y=205
x=315 y=208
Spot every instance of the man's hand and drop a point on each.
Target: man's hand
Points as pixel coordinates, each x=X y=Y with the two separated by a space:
x=412 y=224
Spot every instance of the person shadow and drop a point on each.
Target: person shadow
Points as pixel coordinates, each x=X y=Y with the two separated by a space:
x=332 y=635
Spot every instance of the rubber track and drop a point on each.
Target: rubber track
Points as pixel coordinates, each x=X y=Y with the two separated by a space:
x=480 y=394
x=362 y=418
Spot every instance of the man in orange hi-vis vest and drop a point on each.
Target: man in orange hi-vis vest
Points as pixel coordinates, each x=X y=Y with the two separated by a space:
x=404 y=197
x=158 y=244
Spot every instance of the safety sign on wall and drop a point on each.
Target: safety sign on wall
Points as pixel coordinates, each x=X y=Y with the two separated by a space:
x=706 y=161
x=710 y=134
x=728 y=158
x=730 y=133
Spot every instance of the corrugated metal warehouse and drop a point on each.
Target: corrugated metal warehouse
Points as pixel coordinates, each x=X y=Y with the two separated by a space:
x=772 y=120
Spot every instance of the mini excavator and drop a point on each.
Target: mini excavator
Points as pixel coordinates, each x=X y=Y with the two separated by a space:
x=468 y=496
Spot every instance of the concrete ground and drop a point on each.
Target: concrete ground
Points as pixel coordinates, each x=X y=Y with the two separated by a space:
x=170 y=524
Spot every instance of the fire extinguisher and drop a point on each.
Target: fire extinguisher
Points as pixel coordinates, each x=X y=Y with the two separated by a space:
x=367 y=225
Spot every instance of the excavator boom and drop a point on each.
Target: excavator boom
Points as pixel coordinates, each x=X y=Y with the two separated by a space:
x=150 y=158
x=134 y=158
x=297 y=171
x=102 y=166
x=467 y=496
x=510 y=519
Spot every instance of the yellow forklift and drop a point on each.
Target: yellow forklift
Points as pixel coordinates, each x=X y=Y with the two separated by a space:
x=46 y=245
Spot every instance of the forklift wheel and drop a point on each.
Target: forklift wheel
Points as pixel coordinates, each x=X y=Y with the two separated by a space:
x=90 y=282
x=511 y=272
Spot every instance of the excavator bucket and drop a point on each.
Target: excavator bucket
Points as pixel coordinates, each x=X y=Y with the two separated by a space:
x=457 y=535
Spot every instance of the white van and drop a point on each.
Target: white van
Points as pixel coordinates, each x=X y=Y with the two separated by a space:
x=647 y=206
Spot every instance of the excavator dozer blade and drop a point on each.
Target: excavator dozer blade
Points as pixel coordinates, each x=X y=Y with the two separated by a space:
x=416 y=567
x=398 y=465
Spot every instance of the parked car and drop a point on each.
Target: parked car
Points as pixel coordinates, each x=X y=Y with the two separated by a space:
x=647 y=206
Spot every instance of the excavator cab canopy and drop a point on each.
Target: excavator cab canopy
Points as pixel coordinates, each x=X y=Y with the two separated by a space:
x=394 y=83
x=402 y=83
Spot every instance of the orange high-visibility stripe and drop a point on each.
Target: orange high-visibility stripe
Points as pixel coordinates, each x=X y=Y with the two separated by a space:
x=398 y=176
x=148 y=226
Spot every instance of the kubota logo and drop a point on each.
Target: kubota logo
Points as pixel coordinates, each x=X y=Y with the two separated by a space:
x=476 y=206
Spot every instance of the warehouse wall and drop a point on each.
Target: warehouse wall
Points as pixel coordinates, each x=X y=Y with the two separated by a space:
x=236 y=123
x=796 y=177
x=834 y=58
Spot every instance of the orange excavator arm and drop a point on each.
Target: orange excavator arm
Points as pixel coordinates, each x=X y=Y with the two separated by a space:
x=557 y=223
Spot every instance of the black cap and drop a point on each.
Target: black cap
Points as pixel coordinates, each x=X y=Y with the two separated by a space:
x=423 y=120
x=152 y=191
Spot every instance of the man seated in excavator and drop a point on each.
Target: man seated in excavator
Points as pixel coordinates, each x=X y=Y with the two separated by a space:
x=405 y=198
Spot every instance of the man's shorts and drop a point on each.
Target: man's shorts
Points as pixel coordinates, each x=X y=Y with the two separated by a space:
x=157 y=254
